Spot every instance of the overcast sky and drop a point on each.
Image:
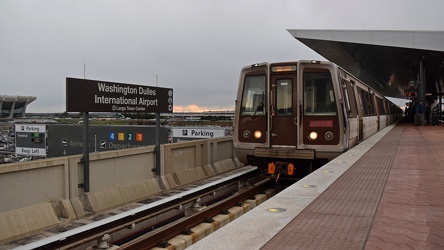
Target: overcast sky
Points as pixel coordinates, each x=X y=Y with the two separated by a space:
x=196 y=47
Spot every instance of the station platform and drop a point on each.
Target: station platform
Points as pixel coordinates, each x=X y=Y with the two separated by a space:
x=385 y=193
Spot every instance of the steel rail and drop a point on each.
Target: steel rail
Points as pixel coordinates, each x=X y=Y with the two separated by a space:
x=153 y=239
x=97 y=229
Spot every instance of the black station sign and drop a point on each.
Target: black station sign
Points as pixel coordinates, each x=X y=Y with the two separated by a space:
x=66 y=139
x=99 y=96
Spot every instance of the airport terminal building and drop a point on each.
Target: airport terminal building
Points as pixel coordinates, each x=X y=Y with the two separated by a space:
x=14 y=106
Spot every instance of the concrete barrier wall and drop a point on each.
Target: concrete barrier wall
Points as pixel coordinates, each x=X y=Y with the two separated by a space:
x=187 y=162
x=39 y=194
x=50 y=187
x=116 y=178
x=29 y=183
x=30 y=193
x=222 y=155
x=120 y=167
x=221 y=149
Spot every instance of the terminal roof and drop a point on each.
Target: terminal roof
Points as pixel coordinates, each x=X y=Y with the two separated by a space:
x=388 y=60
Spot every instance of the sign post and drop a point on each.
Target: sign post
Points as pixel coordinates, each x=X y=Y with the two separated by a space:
x=157 y=170
x=85 y=152
x=84 y=95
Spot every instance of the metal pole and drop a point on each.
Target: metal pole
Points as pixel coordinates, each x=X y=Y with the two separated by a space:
x=85 y=152
x=422 y=82
x=157 y=171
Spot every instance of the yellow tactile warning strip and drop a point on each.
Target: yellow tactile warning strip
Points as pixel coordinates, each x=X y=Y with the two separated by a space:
x=353 y=213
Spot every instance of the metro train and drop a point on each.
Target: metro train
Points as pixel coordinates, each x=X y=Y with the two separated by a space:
x=293 y=117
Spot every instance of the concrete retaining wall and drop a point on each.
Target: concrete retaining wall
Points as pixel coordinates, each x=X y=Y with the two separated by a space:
x=188 y=162
x=50 y=187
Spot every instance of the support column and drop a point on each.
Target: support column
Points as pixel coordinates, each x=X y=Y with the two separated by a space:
x=24 y=108
x=422 y=82
x=1 y=105
x=11 y=114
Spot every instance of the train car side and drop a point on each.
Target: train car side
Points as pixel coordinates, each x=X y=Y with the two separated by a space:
x=293 y=114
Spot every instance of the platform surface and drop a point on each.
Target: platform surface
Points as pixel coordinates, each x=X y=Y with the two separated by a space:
x=386 y=193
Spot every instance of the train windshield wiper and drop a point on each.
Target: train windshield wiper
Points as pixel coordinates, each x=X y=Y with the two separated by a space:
x=259 y=107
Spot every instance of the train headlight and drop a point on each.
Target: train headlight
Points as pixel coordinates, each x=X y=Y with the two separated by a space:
x=328 y=135
x=257 y=134
x=246 y=133
x=313 y=135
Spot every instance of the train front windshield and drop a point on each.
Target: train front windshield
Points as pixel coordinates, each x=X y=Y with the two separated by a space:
x=319 y=98
x=253 y=96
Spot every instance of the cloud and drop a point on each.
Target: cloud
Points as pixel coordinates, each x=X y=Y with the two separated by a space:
x=197 y=108
x=196 y=47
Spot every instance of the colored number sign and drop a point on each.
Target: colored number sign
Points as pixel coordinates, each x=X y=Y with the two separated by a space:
x=121 y=136
x=139 y=137
x=130 y=137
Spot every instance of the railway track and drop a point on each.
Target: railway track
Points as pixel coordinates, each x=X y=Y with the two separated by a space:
x=183 y=226
x=152 y=222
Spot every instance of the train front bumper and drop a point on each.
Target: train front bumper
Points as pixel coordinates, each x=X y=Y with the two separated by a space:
x=285 y=153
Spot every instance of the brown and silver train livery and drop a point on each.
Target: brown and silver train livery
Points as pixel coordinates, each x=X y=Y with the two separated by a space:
x=291 y=117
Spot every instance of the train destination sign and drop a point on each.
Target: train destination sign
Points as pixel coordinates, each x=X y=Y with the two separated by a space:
x=84 y=95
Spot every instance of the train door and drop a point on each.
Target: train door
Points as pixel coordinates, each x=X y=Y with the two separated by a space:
x=320 y=124
x=378 y=115
x=361 y=112
x=351 y=110
x=283 y=129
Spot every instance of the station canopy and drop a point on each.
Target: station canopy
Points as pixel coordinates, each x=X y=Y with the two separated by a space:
x=392 y=62
x=14 y=106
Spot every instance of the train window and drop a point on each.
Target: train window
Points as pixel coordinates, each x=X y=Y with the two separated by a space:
x=319 y=98
x=284 y=98
x=381 y=106
x=364 y=102
x=346 y=99
x=371 y=104
x=352 y=99
x=253 y=102
x=367 y=103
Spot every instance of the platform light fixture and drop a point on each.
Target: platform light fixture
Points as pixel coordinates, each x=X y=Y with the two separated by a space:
x=308 y=186
x=276 y=210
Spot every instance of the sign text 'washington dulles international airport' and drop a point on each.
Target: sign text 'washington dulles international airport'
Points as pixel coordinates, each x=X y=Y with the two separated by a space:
x=84 y=95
